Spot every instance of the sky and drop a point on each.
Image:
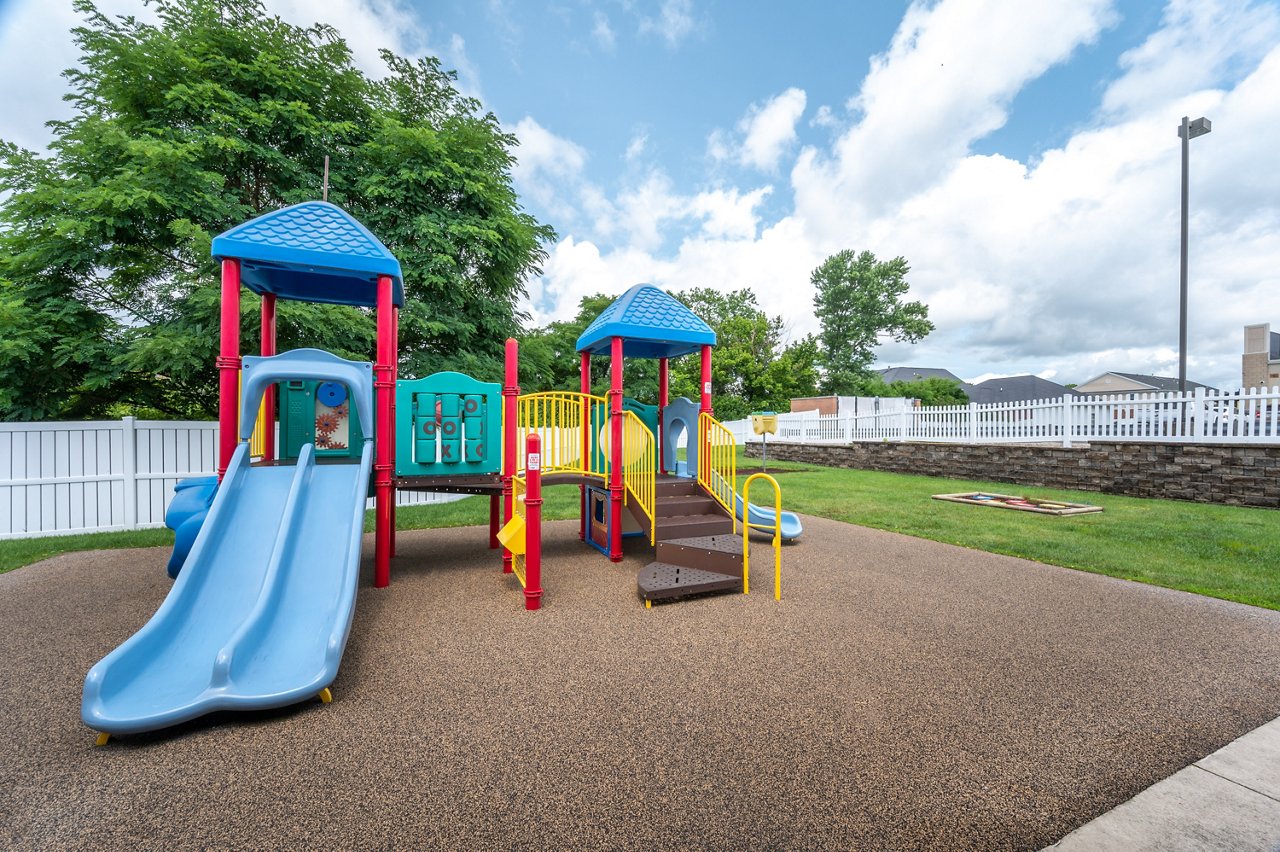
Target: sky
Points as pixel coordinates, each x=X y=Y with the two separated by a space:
x=1023 y=157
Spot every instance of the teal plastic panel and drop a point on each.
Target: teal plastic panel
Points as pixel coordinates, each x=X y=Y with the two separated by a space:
x=451 y=417
x=301 y=412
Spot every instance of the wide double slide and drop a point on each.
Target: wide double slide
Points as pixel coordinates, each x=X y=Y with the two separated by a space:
x=260 y=613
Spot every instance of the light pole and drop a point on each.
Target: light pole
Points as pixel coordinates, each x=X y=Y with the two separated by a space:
x=1187 y=131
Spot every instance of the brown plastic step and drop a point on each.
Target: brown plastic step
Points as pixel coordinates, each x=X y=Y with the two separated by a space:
x=661 y=581
x=721 y=554
x=672 y=486
x=685 y=504
x=684 y=526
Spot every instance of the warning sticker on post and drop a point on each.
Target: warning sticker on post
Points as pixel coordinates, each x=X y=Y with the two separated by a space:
x=535 y=461
x=706 y=387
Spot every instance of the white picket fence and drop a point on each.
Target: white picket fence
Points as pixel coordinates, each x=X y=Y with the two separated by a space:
x=99 y=476
x=1251 y=416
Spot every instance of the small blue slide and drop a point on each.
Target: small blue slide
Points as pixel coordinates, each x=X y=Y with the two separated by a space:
x=260 y=613
x=791 y=527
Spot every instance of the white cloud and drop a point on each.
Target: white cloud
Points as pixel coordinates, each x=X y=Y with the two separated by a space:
x=824 y=117
x=674 y=23
x=1064 y=267
x=1198 y=44
x=764 y=134
x=730 y=213
x=947 y=80
x=36 y=46
x=549 y=169
x=601 y=31
x=771 y=129
x=635 y=148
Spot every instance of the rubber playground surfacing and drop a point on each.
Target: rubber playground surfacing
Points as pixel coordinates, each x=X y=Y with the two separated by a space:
x=904 y=693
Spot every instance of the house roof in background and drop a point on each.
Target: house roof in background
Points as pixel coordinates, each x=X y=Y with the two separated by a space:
x=1156 y=383
x=915 y=374
x=1015 y=389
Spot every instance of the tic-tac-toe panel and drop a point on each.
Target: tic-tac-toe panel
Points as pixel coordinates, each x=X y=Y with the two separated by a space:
x=448 y=424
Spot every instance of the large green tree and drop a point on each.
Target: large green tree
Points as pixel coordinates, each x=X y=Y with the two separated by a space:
x=752 y=367
x=214 y=115
x=857 y=299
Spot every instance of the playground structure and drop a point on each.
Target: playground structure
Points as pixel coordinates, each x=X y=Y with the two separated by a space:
x=267 y=553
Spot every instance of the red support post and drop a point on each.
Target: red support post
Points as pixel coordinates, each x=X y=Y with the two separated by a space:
x=510 y=399
x=494 y=504
x=664 y=392
x=228 y=365
x=706 y=380
x=395 y=376
x=533 y=522
x=384 y=389
x=269 y=395
x=585 y=371
x=616 y=486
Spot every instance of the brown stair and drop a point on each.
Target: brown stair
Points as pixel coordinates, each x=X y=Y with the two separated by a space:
x=696 y=550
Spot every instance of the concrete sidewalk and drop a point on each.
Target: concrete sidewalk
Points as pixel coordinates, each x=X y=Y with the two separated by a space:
x=1230 y=800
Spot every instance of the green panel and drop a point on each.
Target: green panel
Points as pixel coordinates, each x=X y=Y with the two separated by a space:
x=450 y=429
x=450 y=416
x=300 y=413
x=648 y=415
x=425 y=413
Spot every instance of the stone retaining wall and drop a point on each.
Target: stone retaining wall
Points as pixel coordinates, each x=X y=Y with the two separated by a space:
x=1243 y=475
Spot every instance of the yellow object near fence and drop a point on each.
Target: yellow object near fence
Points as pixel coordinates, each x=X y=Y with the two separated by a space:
x=512 y=534
x=776 y=526
x=718 y=463
x=562 y=420
x=639 y=466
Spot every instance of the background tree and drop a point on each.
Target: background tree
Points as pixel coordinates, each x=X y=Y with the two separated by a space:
x=751 y=368
x=857 y=299
x=933 y=391
x=216 y=114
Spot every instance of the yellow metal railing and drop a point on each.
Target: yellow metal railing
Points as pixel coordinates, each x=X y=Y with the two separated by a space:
x=562 y=420
x=748 y=526
x=639 y=466
x=718 y=463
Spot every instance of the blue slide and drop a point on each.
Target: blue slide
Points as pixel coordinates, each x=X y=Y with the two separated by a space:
x=791 y=527
x=260 y=613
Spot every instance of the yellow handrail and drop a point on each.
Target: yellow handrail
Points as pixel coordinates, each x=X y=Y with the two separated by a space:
x=639 y=466
x=718 y=463
x=562 y=420
x=747 y=527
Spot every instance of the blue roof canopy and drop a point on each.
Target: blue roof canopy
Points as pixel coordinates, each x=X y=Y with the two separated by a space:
x=651 y=324
x=311 y=252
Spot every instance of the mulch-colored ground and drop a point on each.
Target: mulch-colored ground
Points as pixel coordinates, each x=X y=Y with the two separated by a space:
x=903 y=694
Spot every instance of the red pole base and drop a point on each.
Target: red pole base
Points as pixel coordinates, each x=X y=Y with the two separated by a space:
x=533 y=600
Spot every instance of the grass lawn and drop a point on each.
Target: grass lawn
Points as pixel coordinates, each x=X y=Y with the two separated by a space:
x=1221 y=551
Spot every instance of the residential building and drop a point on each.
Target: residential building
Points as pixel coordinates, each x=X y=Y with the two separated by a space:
x=1261 y=362
x=915 y=374
x=1133 y=383
x=1015 y=389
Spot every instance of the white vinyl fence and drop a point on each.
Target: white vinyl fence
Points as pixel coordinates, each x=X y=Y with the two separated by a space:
x=97 y=476
x=1251 y=416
